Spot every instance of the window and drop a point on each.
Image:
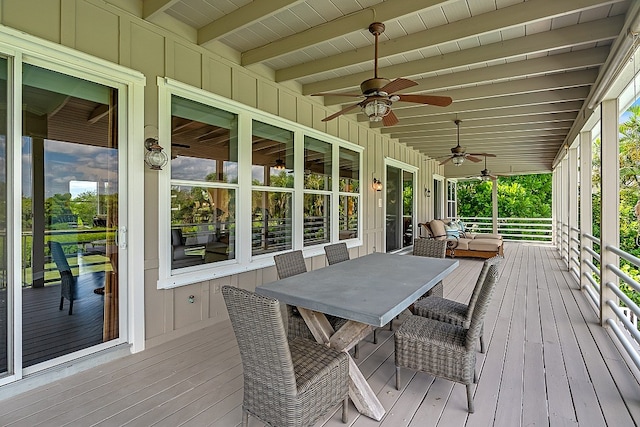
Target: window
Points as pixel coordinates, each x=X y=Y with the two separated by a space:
x=243 y=185
x=452 y=204
x=317 y=191
x=204 y=177
x=272 y=179
x=349 y=186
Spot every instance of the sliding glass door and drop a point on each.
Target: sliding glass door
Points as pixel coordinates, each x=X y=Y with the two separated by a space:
x=70 y=194
x=399 y=208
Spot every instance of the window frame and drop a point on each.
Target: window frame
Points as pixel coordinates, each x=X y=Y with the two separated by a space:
x=244 y=260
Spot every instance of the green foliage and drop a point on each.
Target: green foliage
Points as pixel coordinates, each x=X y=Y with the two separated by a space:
x=524 y=196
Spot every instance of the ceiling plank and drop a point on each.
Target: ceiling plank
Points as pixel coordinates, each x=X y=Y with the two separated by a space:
x=242 y=17
x=546 y=41
x=518 y=14
x=356 y=21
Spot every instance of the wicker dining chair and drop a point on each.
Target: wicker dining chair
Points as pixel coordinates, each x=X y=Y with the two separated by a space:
x=454 y=312
x=290 y=264
x=336 y=253
x=434 y=249
x=286 y=382
x=442 y=349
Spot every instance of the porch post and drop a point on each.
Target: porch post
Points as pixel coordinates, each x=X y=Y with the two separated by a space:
x=586 y=209
x=554 y=207
x=610 y=201
x=494 y=206
x=565 y=209
x=572 y=188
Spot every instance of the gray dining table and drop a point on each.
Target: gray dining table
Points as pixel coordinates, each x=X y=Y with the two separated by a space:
x=369 y=291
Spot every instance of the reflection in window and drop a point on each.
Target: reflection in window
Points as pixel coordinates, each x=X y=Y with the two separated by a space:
x=271 y=156
x=203 y=225
x=271 y=223
x=317 y=214
x=204 y=152
x=317 y=164
x=348 y=208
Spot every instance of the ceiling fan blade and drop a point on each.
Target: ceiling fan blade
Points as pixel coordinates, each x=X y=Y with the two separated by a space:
x=341 y=112
x=390 y=119
x=353 y=95
x=446 y=161
x=396 y=85
x=482 y=154
x=439 y=101
x=473 y=159
x=175 y=144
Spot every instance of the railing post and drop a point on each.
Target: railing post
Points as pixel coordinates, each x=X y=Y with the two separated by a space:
x=610 y=200
x=572 y=189
x=494 y=206
x=586 y=209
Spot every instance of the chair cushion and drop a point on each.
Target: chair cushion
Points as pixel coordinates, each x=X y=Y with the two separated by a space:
x=442 y=309
x=438 y=229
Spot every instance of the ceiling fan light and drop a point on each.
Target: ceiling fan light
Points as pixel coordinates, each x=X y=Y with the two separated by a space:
x=376 y=110
x=485 y=177
x=457 y=160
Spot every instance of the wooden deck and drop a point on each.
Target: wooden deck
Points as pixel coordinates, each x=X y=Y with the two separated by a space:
x=548 y=363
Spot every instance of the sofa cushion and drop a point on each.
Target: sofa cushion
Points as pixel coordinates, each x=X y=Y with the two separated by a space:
x=462 y=244
x=452 y=231
x=484 y=236
x=484 y=244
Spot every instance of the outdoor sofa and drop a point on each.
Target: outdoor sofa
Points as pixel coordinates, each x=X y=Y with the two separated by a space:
x=462 y=243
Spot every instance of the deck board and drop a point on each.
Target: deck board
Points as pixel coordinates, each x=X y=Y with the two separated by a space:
x=548 y=362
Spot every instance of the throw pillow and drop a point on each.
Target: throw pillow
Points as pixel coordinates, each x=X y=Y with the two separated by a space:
x=452 y=231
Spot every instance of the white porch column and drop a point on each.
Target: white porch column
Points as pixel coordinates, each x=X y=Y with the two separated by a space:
x=572 y=188
x=554 y=207
x=494 y=206
x=586 y=208
x=610 y=201
x=559 y=206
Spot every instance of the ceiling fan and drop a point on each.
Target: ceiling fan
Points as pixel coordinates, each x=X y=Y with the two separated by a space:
x=459 y=154
x=485 y=174
x=379 y=93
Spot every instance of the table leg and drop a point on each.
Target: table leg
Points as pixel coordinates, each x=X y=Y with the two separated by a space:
x=360 y=392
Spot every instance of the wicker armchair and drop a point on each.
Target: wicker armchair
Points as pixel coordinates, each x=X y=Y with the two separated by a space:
x=454 y=312
x=434 y=249
x=286 y=383
x=336 y=253
x=442 y=349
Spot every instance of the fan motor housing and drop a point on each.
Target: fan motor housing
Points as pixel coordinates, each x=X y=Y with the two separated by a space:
x=372 y=86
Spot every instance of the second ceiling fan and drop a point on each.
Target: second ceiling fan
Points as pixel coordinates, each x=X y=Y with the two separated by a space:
x=379 y=93
x=459 y=154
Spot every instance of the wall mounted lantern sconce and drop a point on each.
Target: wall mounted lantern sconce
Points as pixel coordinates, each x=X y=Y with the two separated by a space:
x=377 y=185
x=427 y=192
x=155 y=157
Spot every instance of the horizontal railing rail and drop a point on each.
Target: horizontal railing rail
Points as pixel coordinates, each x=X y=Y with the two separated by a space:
x=519 y=229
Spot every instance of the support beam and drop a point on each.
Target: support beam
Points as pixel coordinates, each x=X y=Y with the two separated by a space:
x=610 y=202
x=151 y=8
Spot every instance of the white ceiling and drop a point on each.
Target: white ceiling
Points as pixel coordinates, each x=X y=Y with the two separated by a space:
x=519 y=72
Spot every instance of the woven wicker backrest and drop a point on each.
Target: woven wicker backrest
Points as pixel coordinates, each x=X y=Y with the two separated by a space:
x=336 y=253
x=289 y=264
x=430 y=248
x=481 y=306
x=262 y=340
x=481 y=278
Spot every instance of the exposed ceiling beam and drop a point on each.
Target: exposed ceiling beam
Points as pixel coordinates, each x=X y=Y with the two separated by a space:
x=338 y=27
x=242 y=17
x=505 y=130
x=518 y=14
x=151 y=8
x=498 y=113
x=533 y=84
x=566 y=37
x=513 y=120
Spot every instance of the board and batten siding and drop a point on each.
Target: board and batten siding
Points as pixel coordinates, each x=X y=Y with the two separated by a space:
x=117 y=33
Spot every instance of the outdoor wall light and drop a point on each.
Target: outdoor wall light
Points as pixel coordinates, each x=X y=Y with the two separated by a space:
x=377 y=185
x=155 y=158
x=427 y=192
